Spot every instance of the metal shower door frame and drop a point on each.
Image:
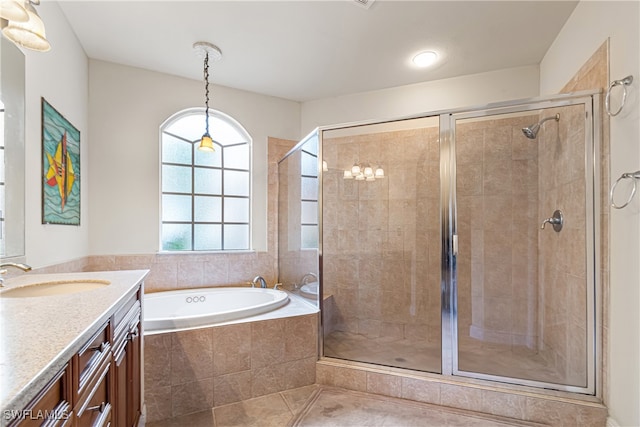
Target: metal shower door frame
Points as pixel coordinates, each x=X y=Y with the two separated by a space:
x=449 y=290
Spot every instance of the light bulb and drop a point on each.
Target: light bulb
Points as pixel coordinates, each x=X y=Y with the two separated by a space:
x=368 y=172
x=355 y=169
x=379 y=172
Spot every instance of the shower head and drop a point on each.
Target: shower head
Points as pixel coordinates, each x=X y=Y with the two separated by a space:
x=532 y=131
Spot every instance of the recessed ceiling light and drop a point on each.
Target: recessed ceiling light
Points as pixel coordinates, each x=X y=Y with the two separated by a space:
x=424 y=59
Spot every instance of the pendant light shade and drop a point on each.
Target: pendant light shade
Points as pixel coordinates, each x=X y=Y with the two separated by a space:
x=13 y=10
x=206 y=143
x=29 y=34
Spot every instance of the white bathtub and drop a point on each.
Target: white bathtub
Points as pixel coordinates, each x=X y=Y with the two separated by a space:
x=191 y=308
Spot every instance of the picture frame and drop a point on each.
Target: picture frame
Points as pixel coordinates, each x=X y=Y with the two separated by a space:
x=60 y=168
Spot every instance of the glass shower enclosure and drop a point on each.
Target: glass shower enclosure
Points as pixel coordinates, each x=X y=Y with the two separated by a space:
x=461 y=243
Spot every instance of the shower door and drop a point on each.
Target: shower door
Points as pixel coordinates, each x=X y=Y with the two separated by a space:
x=522 y=186
x=380 y=247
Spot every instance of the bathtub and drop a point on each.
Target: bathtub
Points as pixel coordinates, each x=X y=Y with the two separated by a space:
x=192 y=308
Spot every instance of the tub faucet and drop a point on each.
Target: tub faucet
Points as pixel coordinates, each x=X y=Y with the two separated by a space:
x=306 y=276
x=263 y=283
x=3 y=270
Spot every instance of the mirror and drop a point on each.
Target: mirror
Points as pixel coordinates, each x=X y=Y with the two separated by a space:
x=12 y=174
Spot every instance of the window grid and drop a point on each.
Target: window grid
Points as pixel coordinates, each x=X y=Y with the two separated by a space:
x=303 y=200
x=220 y=148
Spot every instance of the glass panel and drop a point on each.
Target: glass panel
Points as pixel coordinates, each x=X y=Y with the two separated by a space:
x=208 y=237
x=189 y=127
x=176 y=150
x=381 y=246
x=237 y=157
x=176 y=208
x=522 y=290
x=207 y=158
x=309 y=188
x=236 y=237
x=176 y=237
x=224 y=133
x=208 y=209
x=208 y=181
x=236 y=183
x=309 y=164
x=236 y=210
x=309 y=236
x=176 y=179
x=309 y=213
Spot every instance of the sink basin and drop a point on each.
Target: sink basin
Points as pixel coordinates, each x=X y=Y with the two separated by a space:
x=60 y=287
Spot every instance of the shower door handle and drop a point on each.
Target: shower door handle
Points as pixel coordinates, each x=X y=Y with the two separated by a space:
x=557 y=220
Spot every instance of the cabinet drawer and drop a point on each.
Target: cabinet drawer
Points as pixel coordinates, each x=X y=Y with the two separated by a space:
x=51 y=405
x=90 y=357
x=124 y=309
x=94 y=408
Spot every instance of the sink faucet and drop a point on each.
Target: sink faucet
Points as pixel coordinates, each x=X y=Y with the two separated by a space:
x=3 y=270
x=260 y=279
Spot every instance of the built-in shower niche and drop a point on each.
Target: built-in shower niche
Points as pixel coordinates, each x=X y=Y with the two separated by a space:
x=381 y=244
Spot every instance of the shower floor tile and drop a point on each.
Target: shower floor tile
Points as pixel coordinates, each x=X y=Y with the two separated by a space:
x=474 y=356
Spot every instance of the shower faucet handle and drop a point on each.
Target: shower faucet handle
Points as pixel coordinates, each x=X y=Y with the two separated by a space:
x=557 y=220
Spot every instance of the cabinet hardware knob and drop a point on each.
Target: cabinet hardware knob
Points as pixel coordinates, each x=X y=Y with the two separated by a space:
x=100 y=408
x=101 y=348
x=133 y=334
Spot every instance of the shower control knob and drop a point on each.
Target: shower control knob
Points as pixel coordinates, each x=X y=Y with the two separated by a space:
x=557 y=220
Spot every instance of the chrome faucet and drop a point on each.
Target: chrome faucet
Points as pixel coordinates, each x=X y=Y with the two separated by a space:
x=259 y=279
x=303 y=281
x=3 y=270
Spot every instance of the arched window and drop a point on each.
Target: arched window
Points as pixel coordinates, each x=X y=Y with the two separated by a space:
x=206 y=202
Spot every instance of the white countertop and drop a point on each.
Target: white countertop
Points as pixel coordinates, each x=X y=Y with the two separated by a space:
x=38 y=335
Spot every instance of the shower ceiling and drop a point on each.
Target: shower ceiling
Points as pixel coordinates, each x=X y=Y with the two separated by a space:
x=305 y=50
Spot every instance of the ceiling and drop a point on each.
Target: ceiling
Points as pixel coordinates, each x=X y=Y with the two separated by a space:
x=306 y=50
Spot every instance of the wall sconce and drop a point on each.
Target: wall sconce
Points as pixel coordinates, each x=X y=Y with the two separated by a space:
x=23 y=25
x=208 y=51
x=364 y=172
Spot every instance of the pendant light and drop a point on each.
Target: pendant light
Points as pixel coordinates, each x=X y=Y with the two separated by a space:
x=212 y=52
x=29 y=33
x=13 y=10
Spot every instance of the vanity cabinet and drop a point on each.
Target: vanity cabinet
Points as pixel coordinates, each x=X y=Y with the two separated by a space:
x=127 y=363
x=53 y=403
x=100 y=384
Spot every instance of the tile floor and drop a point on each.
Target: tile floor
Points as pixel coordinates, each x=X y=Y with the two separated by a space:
x=475 y=356
x=317 y=405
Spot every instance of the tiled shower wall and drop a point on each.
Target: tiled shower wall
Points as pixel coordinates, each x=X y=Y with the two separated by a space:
x=563 y=272
x=381 y=239
x=497 y=194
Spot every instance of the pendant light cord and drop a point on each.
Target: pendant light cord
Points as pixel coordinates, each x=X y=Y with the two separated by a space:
x=206 y=92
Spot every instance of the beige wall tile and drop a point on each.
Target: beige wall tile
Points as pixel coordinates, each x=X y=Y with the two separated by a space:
x=231 y=348
x=191 y=397
x=157 y=361
x=191 y=356
x=421 y=390
x=231 y=388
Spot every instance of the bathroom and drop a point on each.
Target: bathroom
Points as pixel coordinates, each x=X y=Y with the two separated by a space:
x=92 y=94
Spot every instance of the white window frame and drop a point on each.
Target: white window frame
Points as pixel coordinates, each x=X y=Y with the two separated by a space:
x=219 y=147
